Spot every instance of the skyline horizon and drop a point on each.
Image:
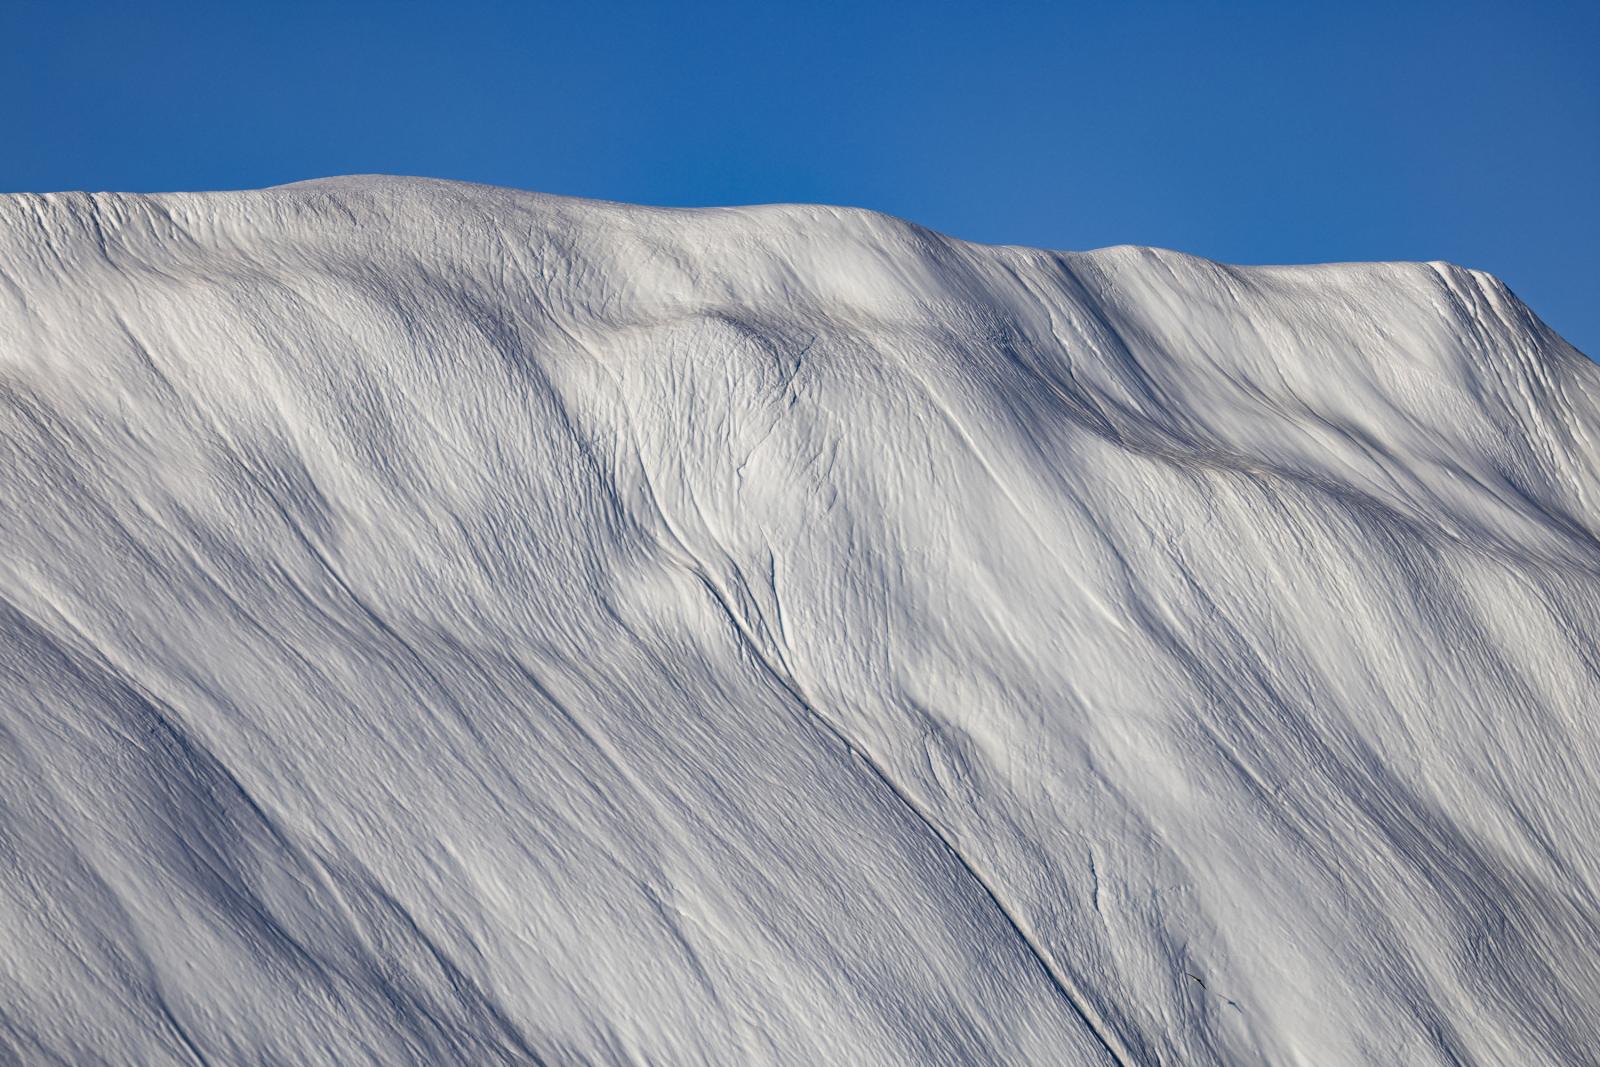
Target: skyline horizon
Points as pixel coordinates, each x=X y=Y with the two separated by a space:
x=1242 y=133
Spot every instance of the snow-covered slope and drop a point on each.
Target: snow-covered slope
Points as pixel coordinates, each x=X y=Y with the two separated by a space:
x=452 y=625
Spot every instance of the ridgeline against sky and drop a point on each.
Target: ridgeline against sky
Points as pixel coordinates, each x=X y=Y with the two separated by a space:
x=1247 y=132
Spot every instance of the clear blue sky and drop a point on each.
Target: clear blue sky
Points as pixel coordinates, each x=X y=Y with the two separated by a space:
x=1281 y=132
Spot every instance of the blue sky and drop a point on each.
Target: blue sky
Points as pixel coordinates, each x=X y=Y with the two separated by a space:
x=1245 y=132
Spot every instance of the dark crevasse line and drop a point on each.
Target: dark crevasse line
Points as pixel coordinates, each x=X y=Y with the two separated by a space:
x=1062 y=983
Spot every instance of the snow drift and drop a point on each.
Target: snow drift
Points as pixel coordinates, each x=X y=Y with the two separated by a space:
x=444 y=624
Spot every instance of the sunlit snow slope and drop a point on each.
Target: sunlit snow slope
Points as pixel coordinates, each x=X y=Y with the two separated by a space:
x=448 y=625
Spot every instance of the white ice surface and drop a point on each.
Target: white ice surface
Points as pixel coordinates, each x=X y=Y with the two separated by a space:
x=442 y=624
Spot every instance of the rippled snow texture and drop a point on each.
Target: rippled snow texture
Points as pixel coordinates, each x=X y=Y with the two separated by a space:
x=449 y=625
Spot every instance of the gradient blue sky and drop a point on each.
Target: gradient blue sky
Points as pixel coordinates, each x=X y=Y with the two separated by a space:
x=1245 y=132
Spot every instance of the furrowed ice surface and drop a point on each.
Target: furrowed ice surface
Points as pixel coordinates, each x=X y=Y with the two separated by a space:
x=452 y=625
